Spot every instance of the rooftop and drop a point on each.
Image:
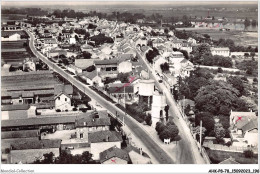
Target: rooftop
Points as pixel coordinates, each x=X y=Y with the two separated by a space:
x=105 y=136
x=113 y=152
x=14 y=107
x=32 y=144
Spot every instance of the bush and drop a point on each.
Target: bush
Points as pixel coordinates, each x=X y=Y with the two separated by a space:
x=74 y=109
x=220 y=70
x=255 y=80
x=228 y=143
x=66 y=110
x=248 y=153
x=58 y=110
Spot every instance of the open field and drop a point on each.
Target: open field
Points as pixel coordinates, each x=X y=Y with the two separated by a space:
x=239 y=37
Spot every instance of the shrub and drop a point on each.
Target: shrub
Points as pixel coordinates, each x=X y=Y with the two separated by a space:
x=220 y=70
x=66 y=110
x=58 y=110
x=255 y=80
x=74 y=109
x=248 y=153
x=229 y=143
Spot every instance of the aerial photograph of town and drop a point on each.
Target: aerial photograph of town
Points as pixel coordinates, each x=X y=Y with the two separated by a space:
x=129 y=82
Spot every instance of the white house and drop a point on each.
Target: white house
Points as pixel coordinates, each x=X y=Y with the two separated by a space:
x=52 y=42
x=181 y=67
x=223 y=51
x=63 y=95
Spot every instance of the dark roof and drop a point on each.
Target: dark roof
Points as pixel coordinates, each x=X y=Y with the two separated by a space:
x=19 y=134
x=253 y=124
x=67 y=89
x=106 y=62
x=32 y=144
x=14 y=107
x=120 y=89
x=43 y=120
x=90 y=75
x=113 y=152
x=104 y=136
x=93 y=120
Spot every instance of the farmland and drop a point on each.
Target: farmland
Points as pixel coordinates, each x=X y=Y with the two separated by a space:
x=239 y=37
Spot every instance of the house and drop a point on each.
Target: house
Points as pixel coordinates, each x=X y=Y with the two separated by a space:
x=98 y=121
x=223 y=51
x=52 y=42
x=86 y=47
x=28 y=151
x=121 y=91
x=63 y=96
x=103 y=140
x=46 y=49
x=11 y=37
x=244 y=129
x=5 y=69
x=56 y=52
x=230 y=160
x=106 y=65
x=114 y=155
x=92 y=78
x=29 y=64
x=181 y=67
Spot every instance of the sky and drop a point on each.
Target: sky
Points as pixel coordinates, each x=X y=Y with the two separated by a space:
x=99 y=2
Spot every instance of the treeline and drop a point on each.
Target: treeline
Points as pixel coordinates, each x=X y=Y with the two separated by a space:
x=233 y=48
x=25 y=11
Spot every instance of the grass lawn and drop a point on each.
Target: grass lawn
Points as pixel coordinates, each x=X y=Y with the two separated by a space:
x=217 y=156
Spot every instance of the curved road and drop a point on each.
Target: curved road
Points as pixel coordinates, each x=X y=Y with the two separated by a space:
x=189 y=150
x=161 y=156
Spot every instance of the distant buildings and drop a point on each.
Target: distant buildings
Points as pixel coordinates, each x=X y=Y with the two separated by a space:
x=224 y=51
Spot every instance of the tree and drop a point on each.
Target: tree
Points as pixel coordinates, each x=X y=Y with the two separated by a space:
x=166 y=109
x=246 y=55
x=165 y=134
x=196 y=130
x=65 y=61
x=220 y=70
x=185 y=54
x=159 y=127
x=173 y=129
x=248 y=153
x=123 y=77
x=90 y=68
x=166 y=30
x=207 y=121
x=255 y=80
x=151 y=54
x=252 y=54
x=254 y=23
x=211 y=97
x=165 y=67
x=148 y=119
x=86 y=55
x=219 y=132
x=77 y=38
x=247 y=22
x=237 y=83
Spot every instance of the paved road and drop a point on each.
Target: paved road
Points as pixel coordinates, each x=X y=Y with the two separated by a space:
x=150 y=144
x=189 y=150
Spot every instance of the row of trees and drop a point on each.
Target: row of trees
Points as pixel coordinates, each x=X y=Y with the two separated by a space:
x=66 y=158
x=151 y=54
x=233 y=48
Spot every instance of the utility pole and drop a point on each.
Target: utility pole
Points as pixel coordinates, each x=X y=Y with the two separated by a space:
x=200 y=133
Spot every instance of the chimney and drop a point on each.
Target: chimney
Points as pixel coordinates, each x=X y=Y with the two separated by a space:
x=141 y=151
x=107 y=138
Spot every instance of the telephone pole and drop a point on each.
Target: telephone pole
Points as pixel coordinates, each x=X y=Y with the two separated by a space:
x=200 y=133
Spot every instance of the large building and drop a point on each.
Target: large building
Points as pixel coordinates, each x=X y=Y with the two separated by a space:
x=223 y=51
